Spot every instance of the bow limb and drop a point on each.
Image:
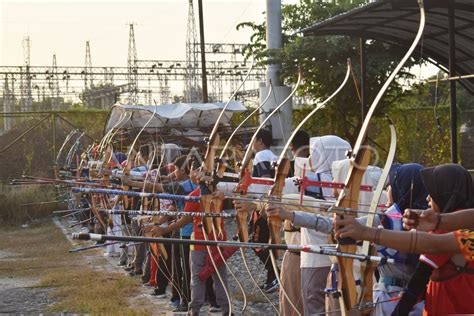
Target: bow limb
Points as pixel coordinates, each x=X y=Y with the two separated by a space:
x=130 y=157
x=248 y=152
x=363 y=130
x=66 y=140
x=95 y=211
x=283 y=166
x=157 y=251
x=126 y=201
x=247 y=268
x=156 y=206
x=359 y=161
x=208 y=188
x=216 y=206
x=245 y=167
x=368 y=268
x=216 y=125
x=72 y=151
x=106 y=139
x=317 y=108
x=221 y=170
x=275 y=224
x=109 y=135
x=241 y=187
x=211 y=257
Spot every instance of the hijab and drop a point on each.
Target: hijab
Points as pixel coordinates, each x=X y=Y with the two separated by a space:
x=325 y=150
x=450 y=186
x=407 y=186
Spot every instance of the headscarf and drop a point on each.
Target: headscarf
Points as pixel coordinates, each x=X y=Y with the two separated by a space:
x=449 y=185
x=325 y=150
x=170 y=152
x=408 y=190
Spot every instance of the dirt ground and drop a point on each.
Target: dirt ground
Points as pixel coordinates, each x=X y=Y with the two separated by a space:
x=38 y=275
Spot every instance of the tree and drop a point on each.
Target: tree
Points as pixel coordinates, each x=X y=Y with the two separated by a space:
x=322 y=62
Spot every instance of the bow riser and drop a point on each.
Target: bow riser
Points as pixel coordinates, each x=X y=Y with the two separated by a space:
x=95 y=210
x=208 y=188
x=349 y=198
x=217 y=221
x=345 y=273
x=274 y=223
x=368 y=268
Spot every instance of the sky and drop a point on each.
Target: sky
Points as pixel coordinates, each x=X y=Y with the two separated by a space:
x=62 y=27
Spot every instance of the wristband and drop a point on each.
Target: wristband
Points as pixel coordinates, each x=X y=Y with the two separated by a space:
x=438 y=223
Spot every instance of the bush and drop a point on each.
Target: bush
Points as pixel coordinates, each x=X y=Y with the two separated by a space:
x=21 y=204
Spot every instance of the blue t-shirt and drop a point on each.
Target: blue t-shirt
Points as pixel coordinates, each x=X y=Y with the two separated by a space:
x=187 y=187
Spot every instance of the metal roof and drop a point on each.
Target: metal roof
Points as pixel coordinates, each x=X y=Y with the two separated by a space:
x=396 y=22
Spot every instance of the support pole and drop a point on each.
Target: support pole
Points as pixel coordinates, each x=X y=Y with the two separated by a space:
x=281 y=123
x=363 y=76
x=452 y=83
x=205 y=97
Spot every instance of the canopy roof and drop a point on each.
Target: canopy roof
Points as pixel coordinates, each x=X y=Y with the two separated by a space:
x=396 y=22
x=178 y=115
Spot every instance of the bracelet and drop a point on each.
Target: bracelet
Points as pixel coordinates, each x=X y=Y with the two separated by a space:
x=416 y=241
x=410 y=250
x=377 y=235
x=438 y=223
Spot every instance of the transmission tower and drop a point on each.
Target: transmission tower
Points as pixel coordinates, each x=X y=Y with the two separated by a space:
x=26 y=99
x=191 y=91
x=54 y=85
x=8 y=102
x=132 y=67
x=88 y=78
x=165 y=93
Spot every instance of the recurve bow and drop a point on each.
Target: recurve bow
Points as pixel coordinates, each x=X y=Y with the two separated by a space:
x=348 y=198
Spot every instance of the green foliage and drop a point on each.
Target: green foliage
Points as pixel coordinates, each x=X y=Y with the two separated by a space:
x=418 y=138
x=91 y=121
x=322 y=61
x=420 y=113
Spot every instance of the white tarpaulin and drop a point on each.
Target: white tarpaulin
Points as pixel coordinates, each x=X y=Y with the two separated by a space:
x=178 y=115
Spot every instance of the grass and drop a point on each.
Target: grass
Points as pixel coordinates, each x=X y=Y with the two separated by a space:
x=79 y=286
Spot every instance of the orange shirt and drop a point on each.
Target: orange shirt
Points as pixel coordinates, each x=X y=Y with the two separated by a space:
x=454 y=295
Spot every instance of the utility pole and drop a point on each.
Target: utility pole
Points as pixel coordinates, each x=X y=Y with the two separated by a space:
x=281 y=123
x=205 y=98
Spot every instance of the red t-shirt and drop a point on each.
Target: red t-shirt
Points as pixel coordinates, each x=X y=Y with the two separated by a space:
x=452 y=296
x=198 y=228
